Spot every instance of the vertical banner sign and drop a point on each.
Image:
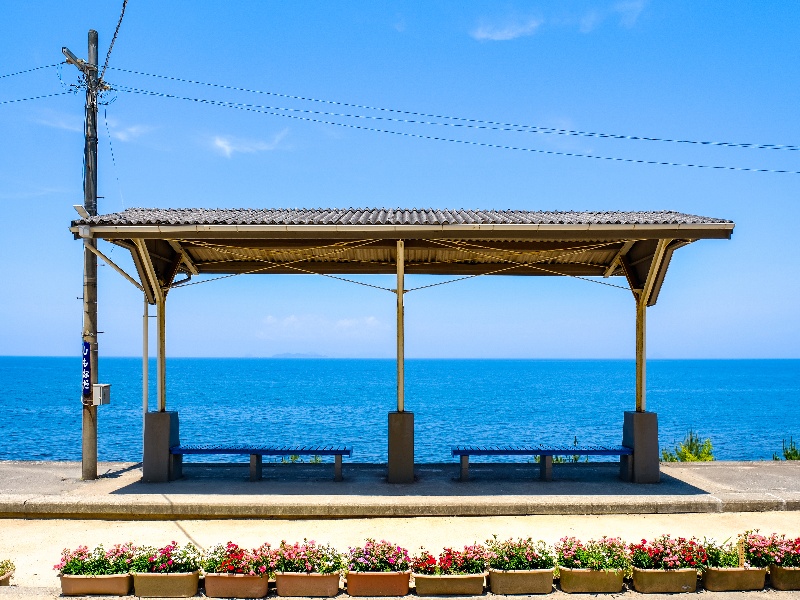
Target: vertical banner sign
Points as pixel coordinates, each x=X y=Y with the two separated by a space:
x=86 y=371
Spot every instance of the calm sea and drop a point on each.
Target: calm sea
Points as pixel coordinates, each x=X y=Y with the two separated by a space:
x=746 y=407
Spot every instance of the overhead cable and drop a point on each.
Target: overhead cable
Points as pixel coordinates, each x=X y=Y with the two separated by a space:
x=34 y=97
x=31 y=70
x=477 y=123
x=113 y=39
x=270 y=111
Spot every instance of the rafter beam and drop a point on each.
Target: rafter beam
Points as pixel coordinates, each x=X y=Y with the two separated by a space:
x=185 y=258
x=149 y=270
x=112 y=264
x=615 y=262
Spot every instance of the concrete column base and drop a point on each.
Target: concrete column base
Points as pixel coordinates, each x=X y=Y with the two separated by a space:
x=161 y=431
x=640 y=432
x=401 y=447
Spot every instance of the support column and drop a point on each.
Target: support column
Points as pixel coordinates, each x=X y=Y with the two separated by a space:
x=641 y=353
x=161 y=304
x=640 y=428
x=145 y=361
x=401 y=423
x=89 y=412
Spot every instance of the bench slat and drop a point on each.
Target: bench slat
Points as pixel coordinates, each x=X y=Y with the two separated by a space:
x=261 y=450
x=542 y=451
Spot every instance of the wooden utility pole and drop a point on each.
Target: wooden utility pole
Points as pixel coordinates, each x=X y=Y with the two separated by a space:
x=89 y=430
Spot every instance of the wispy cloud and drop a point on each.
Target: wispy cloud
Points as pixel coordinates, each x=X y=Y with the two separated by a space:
x=66 y=123
x=509 y=30
x=126 y=133
x=228 y=146
x=629 y=11
x=320 y=327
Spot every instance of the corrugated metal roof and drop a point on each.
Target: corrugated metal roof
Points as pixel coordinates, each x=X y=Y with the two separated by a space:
x=388 y=216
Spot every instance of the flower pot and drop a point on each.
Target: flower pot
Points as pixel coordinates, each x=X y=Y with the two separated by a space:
x=449 y=585
x=733 y=579
x=535 y=581
x=165 y=585
x=5 y=579
x=660 y=581
x=784 y=578
x=590 y=582
x=90 y=585
x=378 y=584
x=235 y=585
x=307 y=584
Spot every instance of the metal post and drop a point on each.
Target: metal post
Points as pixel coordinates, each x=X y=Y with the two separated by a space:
x=641 y=351
x=400 y=326
x=89 y=419
x=161 y=304
x=145 y=359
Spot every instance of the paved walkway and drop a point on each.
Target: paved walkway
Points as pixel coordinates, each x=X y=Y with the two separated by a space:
x=54 y=490
x=301 y=501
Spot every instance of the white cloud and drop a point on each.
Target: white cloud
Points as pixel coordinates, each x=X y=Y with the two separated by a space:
x=125 y=134
x=507 y=31
x=67 y=123
x=629 y=11
x=320 y=328
x=591 y=20
x=228 y=145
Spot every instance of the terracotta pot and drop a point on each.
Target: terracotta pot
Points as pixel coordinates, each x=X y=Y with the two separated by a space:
x=166 y=585
x=536 y=581
x=234 y=585
x=378 y=584
x=90 y=585
x=590 y=582
x=784 y=578
x=307 y=584
x=6 y=579
x=450 y=585
x=660 y=581
x=733 y=579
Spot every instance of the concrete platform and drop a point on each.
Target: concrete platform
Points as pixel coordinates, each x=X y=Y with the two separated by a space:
x=307 y=491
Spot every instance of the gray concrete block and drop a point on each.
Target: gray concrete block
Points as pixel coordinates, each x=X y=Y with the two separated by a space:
x=640 y=432
x=161 y=431
x=401 y=447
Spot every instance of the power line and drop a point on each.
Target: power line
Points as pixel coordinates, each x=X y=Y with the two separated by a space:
x=270 y=111
x=113 y=39
x=31 y=70
x=35 y=97
x=476 y=123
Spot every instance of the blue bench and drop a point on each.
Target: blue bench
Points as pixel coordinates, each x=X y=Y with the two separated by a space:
x=544 y=453
x=258 y=452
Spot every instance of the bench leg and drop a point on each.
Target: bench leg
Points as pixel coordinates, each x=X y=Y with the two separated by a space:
x=255 y=467
x=464 y=467
x=546 y=468
x=337 y=467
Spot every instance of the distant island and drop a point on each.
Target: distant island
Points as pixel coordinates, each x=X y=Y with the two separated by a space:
x=298 y=355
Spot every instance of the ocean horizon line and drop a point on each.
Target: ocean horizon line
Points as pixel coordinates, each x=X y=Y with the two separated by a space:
x=302 y=356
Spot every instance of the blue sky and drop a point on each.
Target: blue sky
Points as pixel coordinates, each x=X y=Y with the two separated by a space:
x=711 y=71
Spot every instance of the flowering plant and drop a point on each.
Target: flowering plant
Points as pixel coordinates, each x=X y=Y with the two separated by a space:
x=472 y=559
x=98 y=561
x=668 y=553
x=721 y=556
x=519 y=555
x=380 y=556
x=230 y=558
x=605 y=554
x=788 y=554
x=6 y=567
x=169 y=559
x=308 y=557
x=761 y=551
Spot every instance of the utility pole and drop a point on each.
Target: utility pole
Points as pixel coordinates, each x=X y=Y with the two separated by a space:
x=89 y=430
